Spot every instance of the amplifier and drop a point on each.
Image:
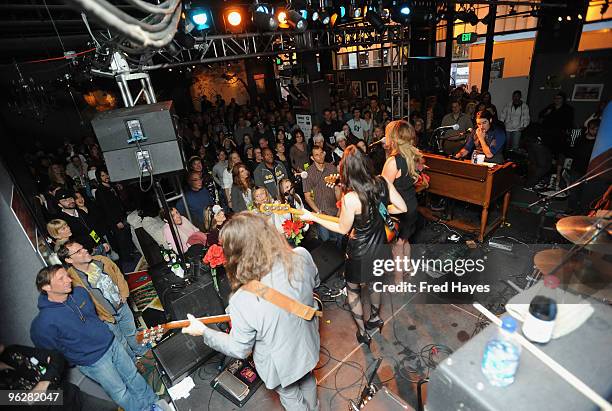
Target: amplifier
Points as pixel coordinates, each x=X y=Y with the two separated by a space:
x=328 y=259
x=238 y=381
x=180 y=355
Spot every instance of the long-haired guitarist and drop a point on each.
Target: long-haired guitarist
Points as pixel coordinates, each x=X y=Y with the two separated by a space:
x=285 y=346
x=364 y=213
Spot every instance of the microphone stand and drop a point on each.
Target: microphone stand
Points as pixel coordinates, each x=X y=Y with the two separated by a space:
x=547 y=198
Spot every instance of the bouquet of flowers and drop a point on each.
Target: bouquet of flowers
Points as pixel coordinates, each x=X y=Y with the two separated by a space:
x=214 y=258
x=294 y=231
x=422 y=181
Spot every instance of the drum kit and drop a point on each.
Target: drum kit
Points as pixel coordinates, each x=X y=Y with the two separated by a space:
x=586 y=268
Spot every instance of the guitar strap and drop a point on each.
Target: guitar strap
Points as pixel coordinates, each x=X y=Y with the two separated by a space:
x=281 y=300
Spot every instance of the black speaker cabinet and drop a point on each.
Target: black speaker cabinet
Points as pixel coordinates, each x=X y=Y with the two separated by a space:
x=131 y=136
x=328 y=259
x=179 y=355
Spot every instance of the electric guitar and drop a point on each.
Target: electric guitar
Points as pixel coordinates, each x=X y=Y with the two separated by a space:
x=285 y=208
x=154 y=334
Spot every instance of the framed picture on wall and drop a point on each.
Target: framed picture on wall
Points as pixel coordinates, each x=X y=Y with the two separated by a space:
x=372 y=88
x=587 y=92
x=356 y=89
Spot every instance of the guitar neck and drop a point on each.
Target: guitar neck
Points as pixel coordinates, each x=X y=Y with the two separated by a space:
x=204 y=320
x=322 y=216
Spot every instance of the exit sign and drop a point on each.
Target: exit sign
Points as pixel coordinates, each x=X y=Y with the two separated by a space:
x=467 y=38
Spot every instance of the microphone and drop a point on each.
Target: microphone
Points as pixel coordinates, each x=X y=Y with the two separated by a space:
x=468 y=131
x=381 y=141
x=454 y=127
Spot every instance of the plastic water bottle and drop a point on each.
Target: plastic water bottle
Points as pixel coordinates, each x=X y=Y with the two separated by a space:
x=502 y=355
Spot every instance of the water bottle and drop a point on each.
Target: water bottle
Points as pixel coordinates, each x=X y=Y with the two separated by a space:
x=502 y=355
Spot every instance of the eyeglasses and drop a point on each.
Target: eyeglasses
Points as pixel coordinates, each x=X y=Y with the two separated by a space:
x=76 y=252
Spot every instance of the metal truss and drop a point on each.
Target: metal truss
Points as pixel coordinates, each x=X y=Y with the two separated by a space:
x=399 y=87
x=227 y=47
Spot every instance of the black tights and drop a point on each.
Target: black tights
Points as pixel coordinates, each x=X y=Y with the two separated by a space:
x=353 y=292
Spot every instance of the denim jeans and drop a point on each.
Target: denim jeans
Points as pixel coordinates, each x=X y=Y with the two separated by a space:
x=514 y=139
x=117 y=375
x=325 y=234
x=124 y=329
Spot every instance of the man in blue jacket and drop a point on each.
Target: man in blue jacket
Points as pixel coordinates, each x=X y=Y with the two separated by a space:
x=67 y=322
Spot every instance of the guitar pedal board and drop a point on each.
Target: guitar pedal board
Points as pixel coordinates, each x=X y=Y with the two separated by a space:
x=238 y=381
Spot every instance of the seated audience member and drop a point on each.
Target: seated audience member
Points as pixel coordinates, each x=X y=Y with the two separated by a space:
x=213 y=225
x=287 y=195
x=197 y=198
x=269 y=173
x=454 y=117
x=581 y=157
x=340 y=146
x=488 y=140
x=108 y=289
x=38 y=370
x=184 y=229
x=67 y=322
x=242 y=193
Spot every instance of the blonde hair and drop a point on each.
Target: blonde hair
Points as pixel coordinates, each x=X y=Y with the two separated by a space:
x=402 y=137
x=268 y=199
x=54 y=226
x=252 y=245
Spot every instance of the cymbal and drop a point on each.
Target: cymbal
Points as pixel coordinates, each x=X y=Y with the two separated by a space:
x=585 y=274
x=580 y=229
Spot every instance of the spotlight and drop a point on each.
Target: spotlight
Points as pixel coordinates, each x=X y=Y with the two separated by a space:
x=579 y=16
x=304 y=14
x=401 y=11
x=281 y=16
x=232 y=18
x=295 y=20
x=339 y=16
x=324 y=17
x=560 y=18
x=315 y=15
x=263 y=18
x=375 y=20
x=200 y=18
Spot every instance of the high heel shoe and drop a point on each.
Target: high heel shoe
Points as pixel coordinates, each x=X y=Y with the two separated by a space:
x=364 y=338
x=372 y=325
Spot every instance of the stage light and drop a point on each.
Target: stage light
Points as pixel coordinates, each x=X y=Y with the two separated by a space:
x=324 y=17
x=200 y=18
x=401 y=12
x=304 y=14
x=234 y=18
x=263 y=18
x=315 y=15
x=375 y=20
x=282 y=19
x=295 y=20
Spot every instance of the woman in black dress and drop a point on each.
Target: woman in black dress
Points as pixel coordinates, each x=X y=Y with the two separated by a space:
x=361 y=216
x=401 y=170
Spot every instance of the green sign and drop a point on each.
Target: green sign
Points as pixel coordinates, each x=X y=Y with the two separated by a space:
x=467 y=38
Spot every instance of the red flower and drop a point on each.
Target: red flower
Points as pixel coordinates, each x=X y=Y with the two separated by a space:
x=292 y=228
x=214 y=256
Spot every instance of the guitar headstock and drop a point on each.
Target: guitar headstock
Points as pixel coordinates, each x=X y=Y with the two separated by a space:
x=274 y=208
x=151 y=335
x=331 y=180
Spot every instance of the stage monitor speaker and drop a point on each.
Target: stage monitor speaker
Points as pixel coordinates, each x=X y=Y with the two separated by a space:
x=328 y=259
x=179 y=355
x=200 y=299
x=130 y=137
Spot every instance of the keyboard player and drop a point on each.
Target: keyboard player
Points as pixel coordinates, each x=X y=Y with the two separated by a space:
x=489 y=139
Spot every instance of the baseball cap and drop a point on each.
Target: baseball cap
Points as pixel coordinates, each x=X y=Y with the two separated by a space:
x=63 y=194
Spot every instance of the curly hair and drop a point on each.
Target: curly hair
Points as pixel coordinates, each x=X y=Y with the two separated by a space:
x=252 y=245
x=403 y=136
